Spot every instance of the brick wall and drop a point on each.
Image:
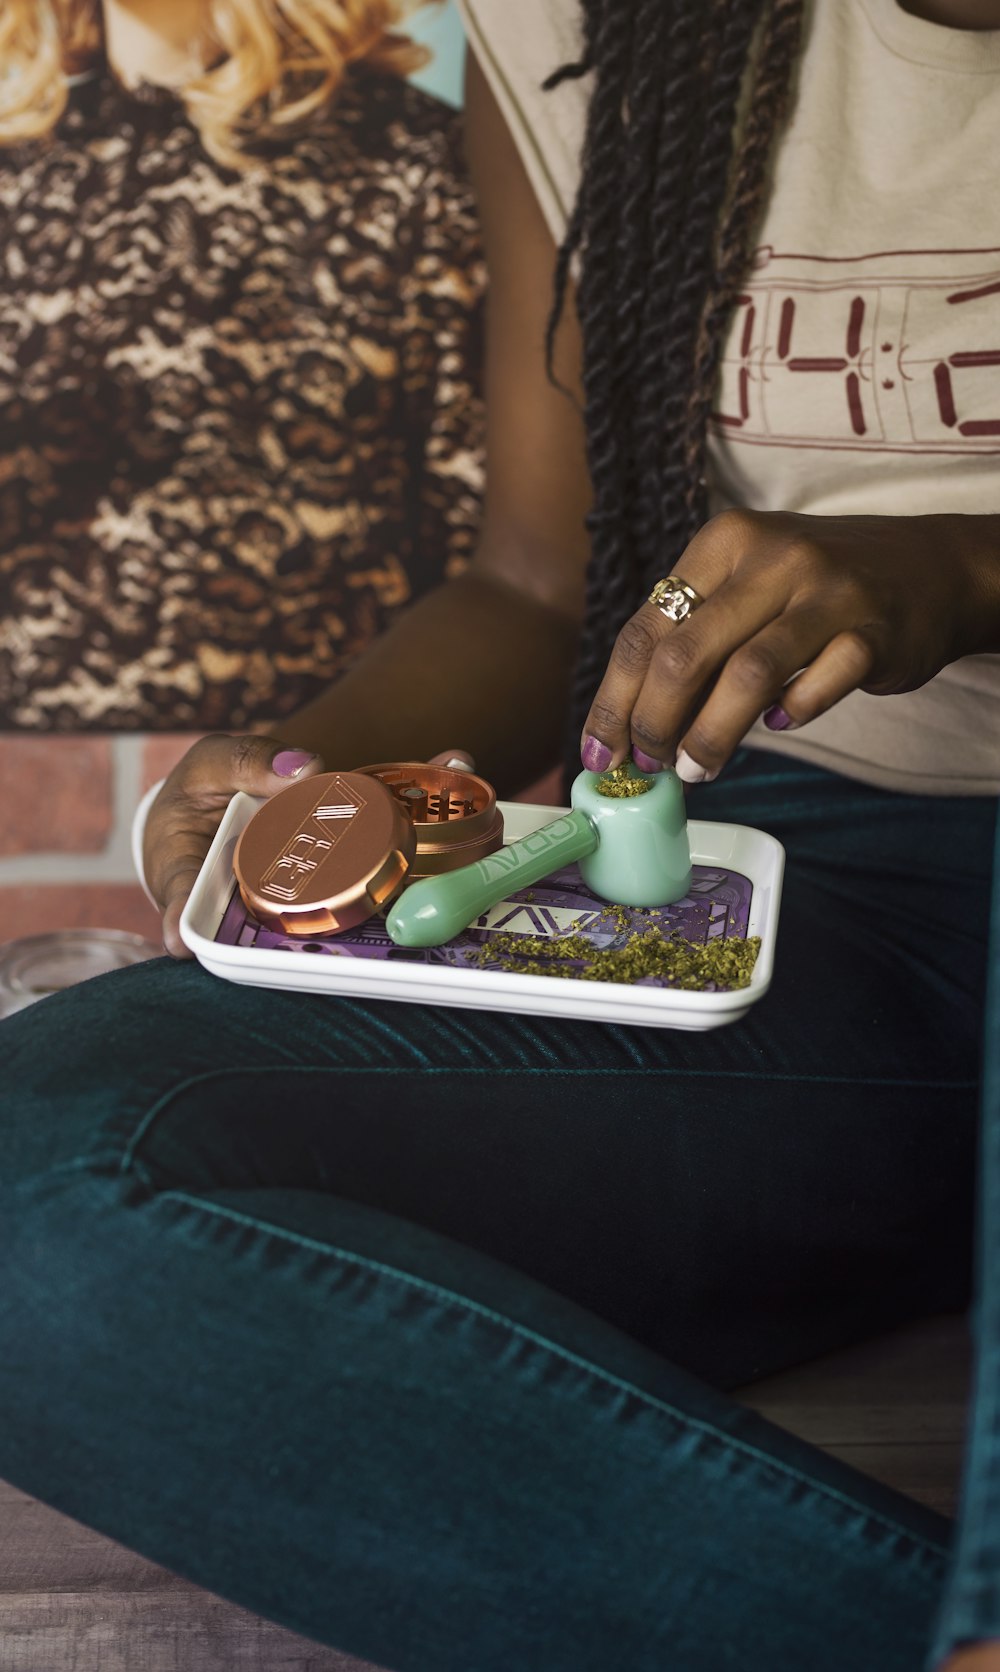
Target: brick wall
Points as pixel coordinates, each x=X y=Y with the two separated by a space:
x=66 y=806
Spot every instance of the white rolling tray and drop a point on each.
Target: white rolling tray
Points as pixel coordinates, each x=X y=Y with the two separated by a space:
x=738 y=848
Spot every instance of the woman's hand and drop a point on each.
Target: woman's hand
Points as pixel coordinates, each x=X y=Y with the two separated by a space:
x=187 y=812
x=799 y=611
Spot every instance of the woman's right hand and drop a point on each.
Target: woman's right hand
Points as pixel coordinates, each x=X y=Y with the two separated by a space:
x=186 y=814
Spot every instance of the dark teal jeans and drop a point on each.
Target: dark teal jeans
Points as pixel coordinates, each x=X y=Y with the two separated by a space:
x=407 y=1327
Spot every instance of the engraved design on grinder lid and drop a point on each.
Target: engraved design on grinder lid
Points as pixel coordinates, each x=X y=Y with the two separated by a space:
x=324 y=855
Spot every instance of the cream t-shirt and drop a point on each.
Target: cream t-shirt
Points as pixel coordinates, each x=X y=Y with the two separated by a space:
x=861 y=374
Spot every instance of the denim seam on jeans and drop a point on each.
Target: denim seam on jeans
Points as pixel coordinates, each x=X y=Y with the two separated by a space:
x=767 y=1465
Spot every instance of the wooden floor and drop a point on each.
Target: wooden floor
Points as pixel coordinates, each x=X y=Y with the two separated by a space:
x=893 y=1408
x=71 y=1601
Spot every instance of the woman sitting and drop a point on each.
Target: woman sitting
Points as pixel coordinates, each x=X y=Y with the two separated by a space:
x=406 y=1325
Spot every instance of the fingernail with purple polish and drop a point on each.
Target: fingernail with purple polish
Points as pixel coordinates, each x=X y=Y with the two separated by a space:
x=775 y=719
x=646 y=763
x=290 y=762
x=596 y=756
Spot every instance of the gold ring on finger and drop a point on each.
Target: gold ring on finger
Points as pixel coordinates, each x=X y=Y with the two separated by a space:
x=675 y=599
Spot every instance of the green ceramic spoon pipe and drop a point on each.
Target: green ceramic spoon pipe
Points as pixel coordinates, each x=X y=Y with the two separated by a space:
x=634 y=851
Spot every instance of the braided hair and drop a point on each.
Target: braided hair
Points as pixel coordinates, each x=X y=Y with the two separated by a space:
x=663 y=225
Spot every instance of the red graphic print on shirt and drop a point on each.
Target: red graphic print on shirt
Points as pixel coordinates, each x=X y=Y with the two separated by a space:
x=893 y=352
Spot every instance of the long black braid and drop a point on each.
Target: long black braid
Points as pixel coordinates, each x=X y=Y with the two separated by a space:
x=663 y=226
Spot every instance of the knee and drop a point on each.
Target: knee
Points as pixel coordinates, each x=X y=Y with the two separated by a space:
x=81 y=1071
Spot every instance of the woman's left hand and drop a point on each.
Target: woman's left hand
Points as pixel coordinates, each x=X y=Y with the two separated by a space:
x=798 y=612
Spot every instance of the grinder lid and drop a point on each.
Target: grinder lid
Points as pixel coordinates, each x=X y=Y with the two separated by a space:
x=325 y=854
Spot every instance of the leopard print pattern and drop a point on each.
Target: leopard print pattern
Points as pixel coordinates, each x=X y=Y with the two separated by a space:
x=240 y=421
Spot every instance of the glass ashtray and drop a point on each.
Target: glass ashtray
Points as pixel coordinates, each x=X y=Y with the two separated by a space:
x=33 y=968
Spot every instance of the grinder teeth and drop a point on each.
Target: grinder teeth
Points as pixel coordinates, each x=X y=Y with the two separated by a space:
x=440 y=808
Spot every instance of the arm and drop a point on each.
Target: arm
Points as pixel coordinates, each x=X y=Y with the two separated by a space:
x=487 y=659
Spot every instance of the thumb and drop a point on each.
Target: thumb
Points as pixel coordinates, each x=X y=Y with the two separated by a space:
x=287 y=765
x=220 y=765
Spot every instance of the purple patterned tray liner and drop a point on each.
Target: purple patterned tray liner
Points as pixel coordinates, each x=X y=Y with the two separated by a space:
x=718 y=903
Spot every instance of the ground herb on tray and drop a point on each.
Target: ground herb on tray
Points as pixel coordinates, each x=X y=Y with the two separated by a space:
x=720 y=965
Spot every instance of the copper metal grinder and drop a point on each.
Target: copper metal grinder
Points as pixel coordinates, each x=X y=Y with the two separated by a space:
x=454 y=814
x=327 y=853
